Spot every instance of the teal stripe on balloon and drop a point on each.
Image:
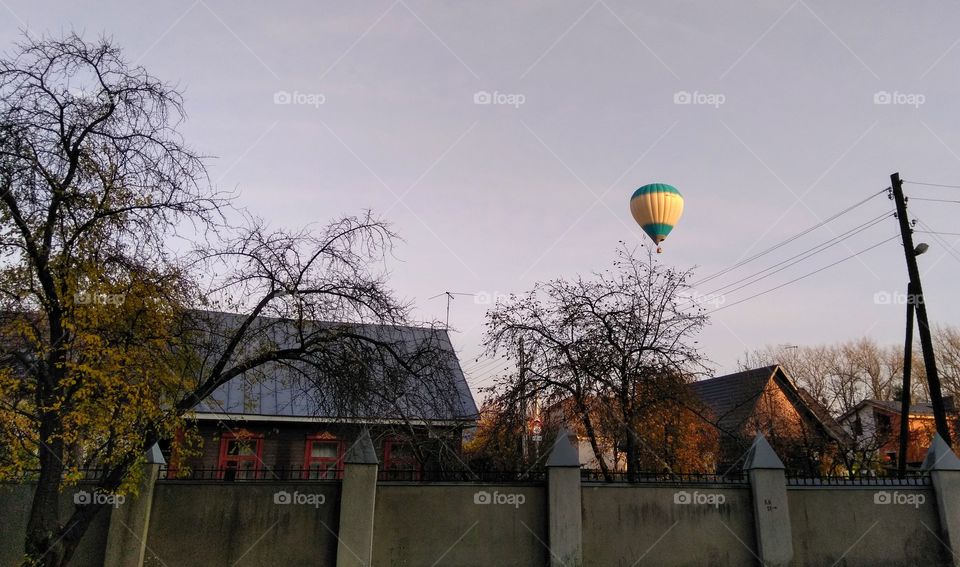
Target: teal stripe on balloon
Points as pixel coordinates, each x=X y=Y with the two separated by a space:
x=654 y=188
x=657 y=229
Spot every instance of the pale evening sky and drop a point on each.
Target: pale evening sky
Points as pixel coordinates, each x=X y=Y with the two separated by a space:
x=796 y=109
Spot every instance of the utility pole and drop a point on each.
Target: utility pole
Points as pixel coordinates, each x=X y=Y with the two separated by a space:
x=926 y=342
x=521 y=363
x=905 y=393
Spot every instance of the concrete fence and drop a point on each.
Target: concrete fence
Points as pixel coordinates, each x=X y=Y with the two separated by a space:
x=565 y=522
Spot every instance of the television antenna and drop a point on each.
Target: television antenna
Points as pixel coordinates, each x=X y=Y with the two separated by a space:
x=450 y=296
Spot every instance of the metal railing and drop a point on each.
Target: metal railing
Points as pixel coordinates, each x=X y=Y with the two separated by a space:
x=664 y=478
x=488 y=477
x=912 y=478
x=264 y=474
x=83 y=475
x=299 y=474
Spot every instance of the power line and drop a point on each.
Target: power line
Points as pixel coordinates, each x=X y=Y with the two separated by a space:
x=932 y=184
x=805 y=255
x=817 y=271
x=937 y=200
x=789 y=240
x=935 y=232
x=481 y=365
x=950 y=249
x=487 y=376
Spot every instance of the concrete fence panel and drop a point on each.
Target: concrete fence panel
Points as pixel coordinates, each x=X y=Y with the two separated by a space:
x=245 y=524
x=460 y=525
x=626 y=526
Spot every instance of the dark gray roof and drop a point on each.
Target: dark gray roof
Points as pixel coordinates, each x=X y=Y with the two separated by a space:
x=731 y=398
x=438 y=391
x=919 y=408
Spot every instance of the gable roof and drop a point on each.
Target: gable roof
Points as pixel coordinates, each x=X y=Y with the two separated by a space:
x=889 y=406
x=283 y=391
x=733 y=398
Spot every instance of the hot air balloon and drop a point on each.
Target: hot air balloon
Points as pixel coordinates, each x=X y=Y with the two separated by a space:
x=657 y=208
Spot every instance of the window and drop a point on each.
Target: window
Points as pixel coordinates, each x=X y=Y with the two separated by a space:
x=884 y=426
x=240 y=455
x=400 y=461
x=323 y=457
x=857 y=426
x=891 y=458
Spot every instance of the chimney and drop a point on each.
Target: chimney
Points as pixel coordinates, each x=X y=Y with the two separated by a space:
x=948 y=404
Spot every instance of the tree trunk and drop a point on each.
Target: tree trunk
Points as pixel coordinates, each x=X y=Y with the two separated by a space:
x=592 y=435
x=43 y=545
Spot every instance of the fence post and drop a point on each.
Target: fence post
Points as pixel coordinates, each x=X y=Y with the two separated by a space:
x=563 y=503
x=771 y=515
x=944 y=468
x=130 y=521
x=358 y=494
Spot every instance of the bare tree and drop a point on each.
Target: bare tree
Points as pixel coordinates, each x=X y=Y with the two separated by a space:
x=620 y=339
x=112 y=335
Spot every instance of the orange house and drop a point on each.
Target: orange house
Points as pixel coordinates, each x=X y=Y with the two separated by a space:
x=875 y=428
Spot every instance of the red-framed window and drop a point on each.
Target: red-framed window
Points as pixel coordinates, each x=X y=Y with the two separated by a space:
x=400 y=461
x=323 y=457
x=241 y=455
x=173 y=463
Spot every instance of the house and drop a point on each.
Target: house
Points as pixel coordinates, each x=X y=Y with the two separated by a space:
x=718 y=420
x=765 y=399
x=282 y=423
x=874 y=426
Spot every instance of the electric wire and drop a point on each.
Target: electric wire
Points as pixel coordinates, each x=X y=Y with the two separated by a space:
x=802 y=256
x=937 y=232
x=480 y=365
x=942 y=241
x=936 y=200
x=807 y=275
x=788 y=240
x=932 y=184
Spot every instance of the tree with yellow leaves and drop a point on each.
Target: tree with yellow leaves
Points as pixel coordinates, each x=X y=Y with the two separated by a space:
x=109 y=326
